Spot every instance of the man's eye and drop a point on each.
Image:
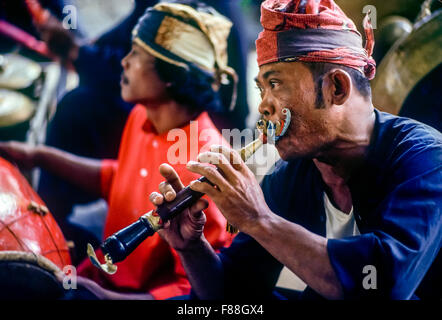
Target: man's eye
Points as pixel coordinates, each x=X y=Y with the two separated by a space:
x=261 y=91
x=273 y=84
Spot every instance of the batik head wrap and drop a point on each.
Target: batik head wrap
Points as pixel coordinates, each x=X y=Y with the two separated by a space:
x=313 y=31
x=181 y=35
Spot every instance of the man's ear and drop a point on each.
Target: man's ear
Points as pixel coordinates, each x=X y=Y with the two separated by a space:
x=337 y=86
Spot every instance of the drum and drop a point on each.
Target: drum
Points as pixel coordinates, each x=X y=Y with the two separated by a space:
x=33 y=250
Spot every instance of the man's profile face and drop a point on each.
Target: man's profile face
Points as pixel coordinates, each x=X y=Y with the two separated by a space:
x=140 y=82
x=290 y=85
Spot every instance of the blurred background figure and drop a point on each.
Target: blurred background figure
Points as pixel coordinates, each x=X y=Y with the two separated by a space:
x=16 y=13
x=89 y=120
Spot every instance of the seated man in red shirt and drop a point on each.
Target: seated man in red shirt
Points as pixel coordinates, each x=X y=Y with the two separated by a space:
x=172 y=73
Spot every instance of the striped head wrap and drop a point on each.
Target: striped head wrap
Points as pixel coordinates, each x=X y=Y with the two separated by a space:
x=313 y=31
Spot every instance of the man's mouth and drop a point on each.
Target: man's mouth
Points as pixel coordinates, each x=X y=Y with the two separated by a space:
x=124 y=80
x=279 y=129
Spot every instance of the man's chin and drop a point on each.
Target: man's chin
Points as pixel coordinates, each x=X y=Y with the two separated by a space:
x=127 y=98
x=292 y=153
x=283 y=154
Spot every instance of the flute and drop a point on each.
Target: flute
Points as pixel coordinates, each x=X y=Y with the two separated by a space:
x=122 y=243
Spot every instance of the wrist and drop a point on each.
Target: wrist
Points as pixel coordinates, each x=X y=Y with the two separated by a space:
x=193 y=246
x=258 y=226
x=36 y=155
x=40 y=155
x=74 y=52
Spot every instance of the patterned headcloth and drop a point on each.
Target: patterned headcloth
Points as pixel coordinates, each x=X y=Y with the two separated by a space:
x=313 y=31
x=181 y=35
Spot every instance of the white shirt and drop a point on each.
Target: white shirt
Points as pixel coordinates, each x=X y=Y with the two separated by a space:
x=339 y=224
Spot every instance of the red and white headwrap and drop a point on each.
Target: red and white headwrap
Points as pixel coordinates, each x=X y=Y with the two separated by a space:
x=313 y=31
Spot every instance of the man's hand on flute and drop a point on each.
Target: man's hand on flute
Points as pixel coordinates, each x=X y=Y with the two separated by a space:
x=236 y=193
x=186 y=228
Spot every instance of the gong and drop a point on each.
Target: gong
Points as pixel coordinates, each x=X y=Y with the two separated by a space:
x=18 y=72
x=407 y=63
x=14 y=108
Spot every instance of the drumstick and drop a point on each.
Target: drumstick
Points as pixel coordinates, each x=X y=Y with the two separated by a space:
x=24 y=38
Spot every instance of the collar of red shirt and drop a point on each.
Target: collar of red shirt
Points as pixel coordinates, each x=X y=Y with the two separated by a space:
x=203 y=120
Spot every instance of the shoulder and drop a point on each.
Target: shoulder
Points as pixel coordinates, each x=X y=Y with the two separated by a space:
x=137 y=118
x=405 y=146
x=137 y=122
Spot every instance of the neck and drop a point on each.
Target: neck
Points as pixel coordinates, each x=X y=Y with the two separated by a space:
x=353 y=139
x=168 y=115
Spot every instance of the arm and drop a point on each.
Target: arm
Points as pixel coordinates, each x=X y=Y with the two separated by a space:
x=240 y=199
x=83 y=172
x=80 y=171
x=300 y=250
x=104 y=294
x=185 y=234
x=402 y=239
x=204 y=270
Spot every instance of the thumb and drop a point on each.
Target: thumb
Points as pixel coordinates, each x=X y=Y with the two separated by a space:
x=196 y=211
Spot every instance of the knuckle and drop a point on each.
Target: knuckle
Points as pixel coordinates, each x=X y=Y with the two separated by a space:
x=162 y=185
x=153 y=195
x=229 y=192
x=168 y=187
x=209 y=170
x=223 y=158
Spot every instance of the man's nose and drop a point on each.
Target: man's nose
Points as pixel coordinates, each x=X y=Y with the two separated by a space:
x=125 y=62
x=266 y=107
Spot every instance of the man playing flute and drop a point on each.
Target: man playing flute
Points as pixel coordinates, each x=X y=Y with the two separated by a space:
x=358 y=192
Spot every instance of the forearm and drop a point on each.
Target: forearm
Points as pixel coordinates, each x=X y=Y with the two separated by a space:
x=104 y=294
x=82 y=172
x=112 y=295
x=204 y=270
x=302 y=251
